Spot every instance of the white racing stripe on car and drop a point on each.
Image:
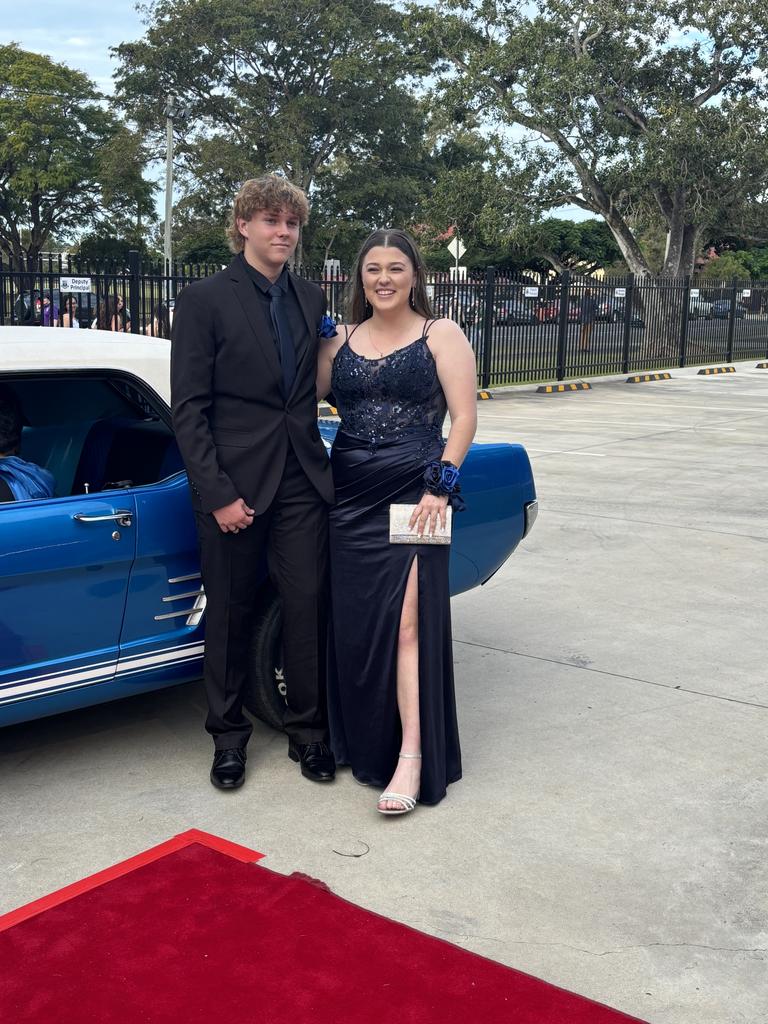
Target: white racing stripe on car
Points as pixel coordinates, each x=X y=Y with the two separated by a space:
x=56 y=682
x=96 y=665
x=148 y=660
x=28 y=688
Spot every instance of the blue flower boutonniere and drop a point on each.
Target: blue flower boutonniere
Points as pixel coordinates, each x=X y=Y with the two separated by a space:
x=327 y=328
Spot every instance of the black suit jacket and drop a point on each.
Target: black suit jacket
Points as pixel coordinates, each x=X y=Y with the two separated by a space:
x=233 y=424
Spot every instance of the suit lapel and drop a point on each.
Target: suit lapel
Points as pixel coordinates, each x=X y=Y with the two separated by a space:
x=246 y=296
x=308 y=347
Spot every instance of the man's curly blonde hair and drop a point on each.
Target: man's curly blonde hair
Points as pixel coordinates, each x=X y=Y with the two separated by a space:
x=270 y=192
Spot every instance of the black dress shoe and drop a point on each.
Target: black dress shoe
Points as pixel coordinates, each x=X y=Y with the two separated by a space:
x=228 y=769
x=316 y=760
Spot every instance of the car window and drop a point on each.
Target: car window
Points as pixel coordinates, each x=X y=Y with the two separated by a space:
x=94 y=432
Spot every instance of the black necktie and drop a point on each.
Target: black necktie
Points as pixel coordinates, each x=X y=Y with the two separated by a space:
x=283 y=334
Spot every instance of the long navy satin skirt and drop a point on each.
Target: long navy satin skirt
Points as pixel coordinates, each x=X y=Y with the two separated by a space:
x=368 y=580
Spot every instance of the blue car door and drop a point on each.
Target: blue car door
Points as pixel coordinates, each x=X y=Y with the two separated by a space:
x=162 y=637
x=64 y=569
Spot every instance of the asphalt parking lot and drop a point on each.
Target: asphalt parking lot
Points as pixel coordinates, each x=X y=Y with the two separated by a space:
x=609 y=834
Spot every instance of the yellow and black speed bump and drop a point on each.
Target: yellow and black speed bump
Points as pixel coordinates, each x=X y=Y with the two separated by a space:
x=709 y=370
x=484 y=395
x=762 y=366
x=557 y=389
x=641 y=378
x=327 y=410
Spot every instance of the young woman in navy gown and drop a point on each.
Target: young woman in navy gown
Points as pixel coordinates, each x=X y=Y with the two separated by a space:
x=394 y=371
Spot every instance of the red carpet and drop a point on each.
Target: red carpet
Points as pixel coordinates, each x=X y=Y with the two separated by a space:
x=193 y=932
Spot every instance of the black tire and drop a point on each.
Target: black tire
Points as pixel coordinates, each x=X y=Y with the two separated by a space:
x=265 y=694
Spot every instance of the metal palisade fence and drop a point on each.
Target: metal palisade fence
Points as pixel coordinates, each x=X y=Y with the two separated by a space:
x=525 y=327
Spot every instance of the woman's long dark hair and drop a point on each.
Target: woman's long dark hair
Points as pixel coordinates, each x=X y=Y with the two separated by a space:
x=160 y=313
x=107 y=314
x=357 y=308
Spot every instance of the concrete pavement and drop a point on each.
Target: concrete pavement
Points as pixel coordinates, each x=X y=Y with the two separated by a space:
x=609 y=834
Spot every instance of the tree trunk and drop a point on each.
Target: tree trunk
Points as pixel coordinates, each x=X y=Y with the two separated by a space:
x=689 y=248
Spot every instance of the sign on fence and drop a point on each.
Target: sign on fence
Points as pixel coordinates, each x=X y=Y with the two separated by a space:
x=620 y=293
x=695 y=293
x=531 y=292
x=75 y=284
x=746 y=292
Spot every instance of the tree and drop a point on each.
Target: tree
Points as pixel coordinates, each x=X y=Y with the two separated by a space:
x=65 y=161
x=269 y=85
x=631 y=111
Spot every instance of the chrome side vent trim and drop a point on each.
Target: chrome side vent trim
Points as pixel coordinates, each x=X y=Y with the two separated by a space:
x=192 y=614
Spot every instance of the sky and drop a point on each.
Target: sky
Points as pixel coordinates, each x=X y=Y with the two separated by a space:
x=78 y=34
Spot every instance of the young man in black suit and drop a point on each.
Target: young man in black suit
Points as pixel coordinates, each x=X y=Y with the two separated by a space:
x=243 y=393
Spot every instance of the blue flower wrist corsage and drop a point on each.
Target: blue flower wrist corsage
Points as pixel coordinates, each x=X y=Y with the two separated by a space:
x=441 y=478
x=327 y=328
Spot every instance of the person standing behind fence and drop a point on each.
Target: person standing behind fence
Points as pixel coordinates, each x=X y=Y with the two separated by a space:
x=160 y=326
x=50 y=311
x=109 y=318
x=69 y=316
x=123 y=313
x=587 y=313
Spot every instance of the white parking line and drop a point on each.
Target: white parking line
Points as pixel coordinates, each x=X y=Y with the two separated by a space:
x=563 y=451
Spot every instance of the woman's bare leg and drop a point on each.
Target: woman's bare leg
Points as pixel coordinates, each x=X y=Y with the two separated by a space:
x=408 y=770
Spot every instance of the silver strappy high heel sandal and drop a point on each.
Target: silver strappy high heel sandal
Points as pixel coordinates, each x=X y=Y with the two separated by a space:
x=408 y=802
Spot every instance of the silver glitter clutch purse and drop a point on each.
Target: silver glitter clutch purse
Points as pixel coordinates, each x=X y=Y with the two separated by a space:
x=400 y=532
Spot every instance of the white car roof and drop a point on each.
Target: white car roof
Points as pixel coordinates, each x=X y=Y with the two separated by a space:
x=58 y=348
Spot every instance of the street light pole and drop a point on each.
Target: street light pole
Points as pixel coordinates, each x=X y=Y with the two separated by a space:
x=167 y=247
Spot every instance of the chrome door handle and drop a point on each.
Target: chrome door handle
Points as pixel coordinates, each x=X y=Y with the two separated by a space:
x=123 y=516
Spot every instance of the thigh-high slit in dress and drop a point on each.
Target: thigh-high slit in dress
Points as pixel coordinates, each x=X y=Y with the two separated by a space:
x=392 y=411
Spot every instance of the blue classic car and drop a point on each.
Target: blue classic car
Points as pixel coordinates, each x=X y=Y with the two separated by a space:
x=100 y=590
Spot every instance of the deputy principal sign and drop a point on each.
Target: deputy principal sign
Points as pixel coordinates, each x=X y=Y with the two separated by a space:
x=75 y=284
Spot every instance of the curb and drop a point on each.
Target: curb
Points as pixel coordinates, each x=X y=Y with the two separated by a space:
x=557 y=389
x=708 y=370
x=484 y=395
x=641 y=378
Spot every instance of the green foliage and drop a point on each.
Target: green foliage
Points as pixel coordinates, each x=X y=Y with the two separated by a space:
x=726 y=266
x=65 y=162
x=110 y=248
x=203 y=243
x=308 y=88
x=631 y=111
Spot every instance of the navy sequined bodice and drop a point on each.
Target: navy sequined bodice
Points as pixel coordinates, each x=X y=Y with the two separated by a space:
x=382 y=398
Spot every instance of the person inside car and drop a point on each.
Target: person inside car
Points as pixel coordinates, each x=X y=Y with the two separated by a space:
x=19 y=480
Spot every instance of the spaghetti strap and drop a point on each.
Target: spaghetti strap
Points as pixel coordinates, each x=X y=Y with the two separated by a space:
x=428 y=325
x=348 y=332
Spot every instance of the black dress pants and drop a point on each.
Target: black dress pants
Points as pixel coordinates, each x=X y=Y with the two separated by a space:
x=293 y=535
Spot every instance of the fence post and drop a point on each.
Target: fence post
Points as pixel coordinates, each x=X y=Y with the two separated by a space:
x=629 y=305
x=684 y=320
x=134 y=286
x=731 y=321
x=562 y=324
x=490 y=294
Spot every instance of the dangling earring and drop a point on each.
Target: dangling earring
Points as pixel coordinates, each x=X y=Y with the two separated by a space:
x=413 y=304
x=368 y=308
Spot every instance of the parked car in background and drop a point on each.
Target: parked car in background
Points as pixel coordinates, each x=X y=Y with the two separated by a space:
x=458 y=306
x=721 y=310
x=100 y=592
x=698 y=307
x=514 y=311
x=548 y=311
x=612 y=309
